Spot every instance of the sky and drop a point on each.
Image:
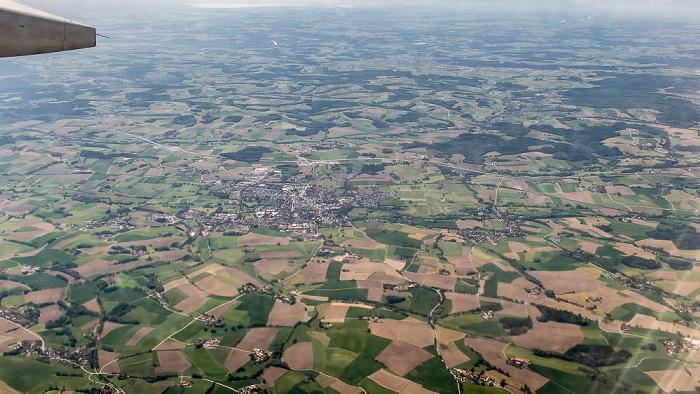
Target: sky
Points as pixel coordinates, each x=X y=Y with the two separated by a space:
x=686 y=10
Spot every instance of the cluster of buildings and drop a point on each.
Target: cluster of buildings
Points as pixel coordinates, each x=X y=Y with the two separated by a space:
x=24 y=316
x=673 y=347
x=116 y=223
x=211 y=320
x=260 y=355
x=480 y=234
x=26 y=347
x=210 y=344
x=518 y=362
x=253 y=388
x=69 y=356
x=475 y=377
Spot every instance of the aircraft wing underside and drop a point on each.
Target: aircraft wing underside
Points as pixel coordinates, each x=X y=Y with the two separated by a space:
x=28 y=31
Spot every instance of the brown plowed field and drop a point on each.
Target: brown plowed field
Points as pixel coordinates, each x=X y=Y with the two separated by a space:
x=253 y=239
x=49 y=313
x=336 y=313
x=172 y=361
x=676 y=380
x=452 y=356
x=291 y=254
x=550 y=336
x=44 y=296
x=433 y=280
x=108 y=327
x=418 y=334
x=138 y=335
x=217 y=287
x=463 y=302
x=313 y=273
x=401 y=357
x=343 y=388
x=104 y=357
x=286 y=315
x=493 y=352
x=567 y=281
x=271 y=374
x=300 y=356
x=397 y=383
x=273 y=267
x=627 y=297
x=170 y=345
x=257 y=338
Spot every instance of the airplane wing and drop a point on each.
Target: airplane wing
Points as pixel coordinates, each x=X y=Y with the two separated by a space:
x=27 y=31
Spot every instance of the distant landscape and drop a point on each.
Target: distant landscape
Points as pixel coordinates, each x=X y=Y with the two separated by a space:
x=353 y=200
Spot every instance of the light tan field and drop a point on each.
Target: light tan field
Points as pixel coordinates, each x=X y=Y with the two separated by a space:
x=432 y=280
x=271 y=374
x=100 y=266
x=396 y=383
x=221 y=309
x=191 y=304
x=170 y=345
x=336 y=313
x=632 y=250
x=283 y=314
x=220 y=269
x=621 y=190
x=664 y=275
x=172 y=361
x=418 y=334
x=364 y=269
x=493 y=352
x=463 y=302
x=44 y=296
x=138 y=335
x=628 y=296
x=395 y=264
x=257 y=338
x=550 y=336
x=175 y=283
x=670 y=381
x=362 y=243
x=8 y=284
x=452 y=356
x=685 y=288
x=313 y=273
x=105 y=358
x=89 y=325
x=300 y=356
x=401 y=357
x=588 y=247
x=49 y=313
x=567 y=281
x=514 y=291
x=445 y=335
x=344 y=388
x=27 y=236
x=273 y=267
x=510 y=308
x=108 y=327
x=253 y=239
x=670 y=247
x=651 y=323
x=236 y=358
x=217 y=287
x=291 y=254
